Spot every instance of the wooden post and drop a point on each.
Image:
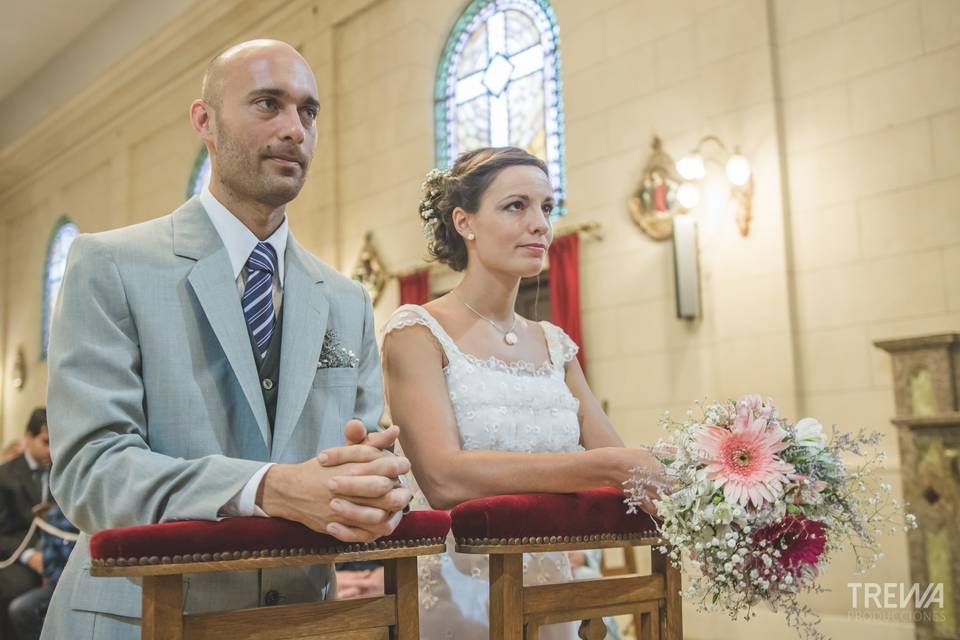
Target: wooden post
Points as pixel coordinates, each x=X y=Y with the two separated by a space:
x=400 y=579
x=649 y=628
x=629 y=566
x=506 y=596
x=162 y=608
x=670 y=614
x=531 y=631
x=592 y=629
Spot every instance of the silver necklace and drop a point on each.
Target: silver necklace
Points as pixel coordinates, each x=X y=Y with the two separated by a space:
x=508 y=336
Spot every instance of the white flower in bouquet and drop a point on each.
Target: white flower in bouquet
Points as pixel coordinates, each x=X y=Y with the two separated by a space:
x=809 y=433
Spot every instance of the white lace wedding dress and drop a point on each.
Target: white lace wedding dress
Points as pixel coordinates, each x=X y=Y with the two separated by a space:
x=500 y=406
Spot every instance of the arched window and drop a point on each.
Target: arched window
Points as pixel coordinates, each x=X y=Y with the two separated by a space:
x=200 y=174
x=498 y=84
x=63 y=234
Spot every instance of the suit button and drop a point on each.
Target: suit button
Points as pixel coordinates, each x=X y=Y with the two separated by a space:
x=272 y=597
x=267 y=384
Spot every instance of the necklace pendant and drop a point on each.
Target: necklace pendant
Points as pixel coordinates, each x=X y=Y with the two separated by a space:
x=510 y=338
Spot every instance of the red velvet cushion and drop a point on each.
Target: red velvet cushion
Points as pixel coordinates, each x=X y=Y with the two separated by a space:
x=587 y=513
x=189 y=537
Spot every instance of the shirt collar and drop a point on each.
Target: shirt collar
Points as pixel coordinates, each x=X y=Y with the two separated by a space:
x=31 y=461
x=238 y=239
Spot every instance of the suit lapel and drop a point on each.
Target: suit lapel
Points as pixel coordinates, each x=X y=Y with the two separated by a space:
x=212 y=281
x=32 y=488
x=305 y=310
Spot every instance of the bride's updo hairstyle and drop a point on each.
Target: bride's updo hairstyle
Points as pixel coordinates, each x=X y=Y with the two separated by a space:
x=463 y=185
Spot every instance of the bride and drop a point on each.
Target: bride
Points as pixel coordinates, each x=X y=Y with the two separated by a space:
x=489 y=402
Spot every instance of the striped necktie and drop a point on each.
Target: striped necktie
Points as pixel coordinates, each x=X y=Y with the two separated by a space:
x=258 y=295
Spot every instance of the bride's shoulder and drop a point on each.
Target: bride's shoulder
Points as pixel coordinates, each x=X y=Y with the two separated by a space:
x=412 y=325
x=408 y=315
x=559 y=343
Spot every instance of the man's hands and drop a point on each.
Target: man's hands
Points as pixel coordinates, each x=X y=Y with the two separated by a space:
x=351 y=492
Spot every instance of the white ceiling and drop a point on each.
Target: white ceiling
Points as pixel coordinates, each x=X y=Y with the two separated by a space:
x=50 y=50
x=32 y=32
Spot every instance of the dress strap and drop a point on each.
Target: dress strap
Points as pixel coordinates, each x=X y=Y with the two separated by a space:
x=561 y=347
x=409 y=315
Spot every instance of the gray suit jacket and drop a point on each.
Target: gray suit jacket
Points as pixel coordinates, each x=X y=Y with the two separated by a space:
x=155 y=408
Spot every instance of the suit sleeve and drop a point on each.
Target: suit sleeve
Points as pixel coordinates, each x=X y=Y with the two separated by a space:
x=104 y=474
x=369 y=405
x=9 y=538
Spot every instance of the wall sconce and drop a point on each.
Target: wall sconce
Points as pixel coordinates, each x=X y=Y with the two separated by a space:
x=659 y=205
x=692 y=168
x=19 y=377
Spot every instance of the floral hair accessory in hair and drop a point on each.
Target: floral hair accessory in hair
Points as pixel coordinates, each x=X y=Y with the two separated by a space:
x=431 y=188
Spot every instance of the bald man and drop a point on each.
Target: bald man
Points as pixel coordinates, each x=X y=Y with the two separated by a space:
x=200 y=362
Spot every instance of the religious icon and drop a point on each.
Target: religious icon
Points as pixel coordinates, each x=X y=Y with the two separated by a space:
x=369 y=270
x=654 y=202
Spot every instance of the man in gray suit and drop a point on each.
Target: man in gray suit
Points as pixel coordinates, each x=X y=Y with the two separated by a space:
x=201 y=363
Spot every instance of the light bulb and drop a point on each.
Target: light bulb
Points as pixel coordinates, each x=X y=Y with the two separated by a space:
x=691 y=167
x=688 y=195
x=738 y=170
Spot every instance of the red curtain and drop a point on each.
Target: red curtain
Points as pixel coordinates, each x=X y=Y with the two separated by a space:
x=565 y=289
x=415 y=287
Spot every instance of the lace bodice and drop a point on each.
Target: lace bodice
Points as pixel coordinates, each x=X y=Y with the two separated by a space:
x=515 y=406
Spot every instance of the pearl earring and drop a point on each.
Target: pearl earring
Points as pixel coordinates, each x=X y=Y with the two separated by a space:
x=471 y=236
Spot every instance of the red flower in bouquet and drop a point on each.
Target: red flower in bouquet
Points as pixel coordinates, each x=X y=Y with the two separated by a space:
x=799 y=540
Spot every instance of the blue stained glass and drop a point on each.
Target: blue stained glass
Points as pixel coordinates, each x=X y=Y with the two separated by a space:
x=63 y=235
x=498 y=84
x=473 y=123
x=474 y=56
x=200 y=175
x=527 y=129
x=497 y=75
x=522 y=33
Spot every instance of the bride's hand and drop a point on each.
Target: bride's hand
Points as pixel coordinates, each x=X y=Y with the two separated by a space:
x=649 y=470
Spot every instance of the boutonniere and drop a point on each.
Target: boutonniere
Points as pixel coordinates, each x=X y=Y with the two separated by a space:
x=334 y=355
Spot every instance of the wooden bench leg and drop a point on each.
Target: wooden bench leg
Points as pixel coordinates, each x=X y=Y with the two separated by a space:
x=649 y=628
x=506 y=596
x=670 y=614
x=400 y=579
x=162 y=608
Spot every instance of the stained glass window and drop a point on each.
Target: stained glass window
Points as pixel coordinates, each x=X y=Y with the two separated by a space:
x=200 y=175
x=498 y=84
x=63 y=234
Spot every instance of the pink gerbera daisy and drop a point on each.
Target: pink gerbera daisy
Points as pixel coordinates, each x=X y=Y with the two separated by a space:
x=744 y=460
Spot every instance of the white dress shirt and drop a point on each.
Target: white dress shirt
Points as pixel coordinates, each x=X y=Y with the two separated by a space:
x=240 y=243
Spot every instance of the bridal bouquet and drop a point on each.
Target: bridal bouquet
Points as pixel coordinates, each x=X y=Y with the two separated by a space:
x=757 y=506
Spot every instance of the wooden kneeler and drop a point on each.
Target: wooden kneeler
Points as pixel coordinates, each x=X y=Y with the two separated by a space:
x=506 y=527
x=274 y=543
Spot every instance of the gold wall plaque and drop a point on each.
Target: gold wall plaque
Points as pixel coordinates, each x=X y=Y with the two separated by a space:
x=369 y=270
x=654 y=202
